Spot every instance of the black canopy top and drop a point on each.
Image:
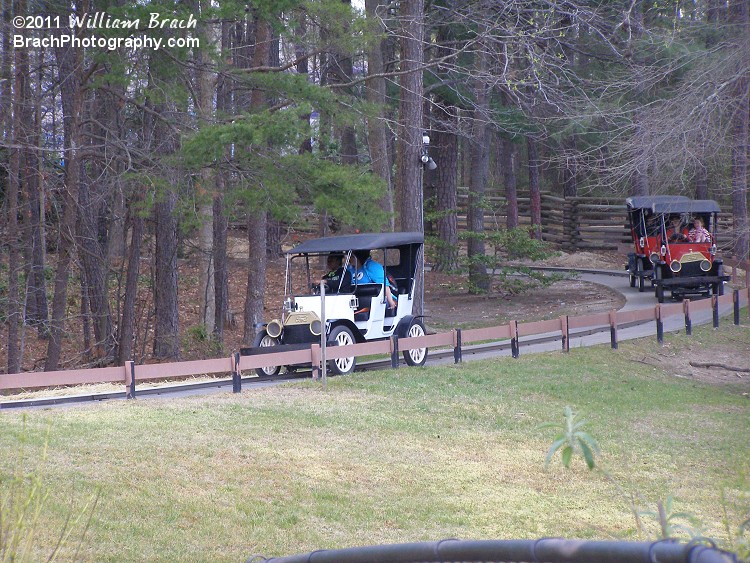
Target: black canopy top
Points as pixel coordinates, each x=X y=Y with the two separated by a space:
x=672 y=204
x=689 y=206
x=648 y=201
x=363 y=241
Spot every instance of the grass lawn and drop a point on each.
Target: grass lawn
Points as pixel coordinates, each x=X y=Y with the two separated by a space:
x=392 y=456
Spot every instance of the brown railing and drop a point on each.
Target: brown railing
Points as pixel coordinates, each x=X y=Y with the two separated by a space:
x=554 y=329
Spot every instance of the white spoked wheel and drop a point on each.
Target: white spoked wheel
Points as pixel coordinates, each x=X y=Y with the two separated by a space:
x=417 y=356
x=263 y=340
x=342 y=336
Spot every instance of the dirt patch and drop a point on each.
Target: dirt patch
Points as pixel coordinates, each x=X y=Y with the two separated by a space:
x=449 y=305
x=728 y=363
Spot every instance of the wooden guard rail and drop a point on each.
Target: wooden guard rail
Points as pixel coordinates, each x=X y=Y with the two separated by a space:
x=561 y=328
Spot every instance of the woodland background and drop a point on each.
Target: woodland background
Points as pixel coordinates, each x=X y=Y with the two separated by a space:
x=300 y=115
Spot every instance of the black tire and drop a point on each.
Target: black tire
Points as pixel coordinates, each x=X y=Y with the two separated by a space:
x=417 y=356
x=262 y=340
x=341 y=336
x=641 y=279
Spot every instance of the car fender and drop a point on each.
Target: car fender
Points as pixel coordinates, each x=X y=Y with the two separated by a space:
x=403 y=325
x=358 y=336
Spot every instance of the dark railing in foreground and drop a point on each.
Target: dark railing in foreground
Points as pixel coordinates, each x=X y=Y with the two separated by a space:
x=548 y=550
x=562 y=329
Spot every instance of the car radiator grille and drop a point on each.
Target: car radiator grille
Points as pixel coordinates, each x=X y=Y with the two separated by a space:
x=299 y=334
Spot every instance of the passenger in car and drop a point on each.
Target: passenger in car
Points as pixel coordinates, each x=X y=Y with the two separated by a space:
x=653 y=225
x=338 y=279
x=366 y=270
x=698 y=233
x=676 y=232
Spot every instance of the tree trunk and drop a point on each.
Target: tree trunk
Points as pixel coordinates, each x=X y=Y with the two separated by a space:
x=741 y=138
x=167 y=323
x=409 y=189
x=221 y=274
x=257 y=217
x=94 y=259
x=510 y=179
x=14 y=316
x=381 y=157
x=409 y=185
x=37 y=297
x=479 y=280
x=127 y=325
x=535 y=192
x=221 y=224
x=205 y=79
x=701 y=181
x=166 y=306
x=445 y=144
x=69 y=62
x=570 y=172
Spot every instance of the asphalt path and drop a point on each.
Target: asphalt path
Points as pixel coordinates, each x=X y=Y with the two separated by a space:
x=616 y=280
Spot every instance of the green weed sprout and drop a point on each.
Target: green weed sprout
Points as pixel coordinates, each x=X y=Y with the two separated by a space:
x=668 y=520
x=572 y=439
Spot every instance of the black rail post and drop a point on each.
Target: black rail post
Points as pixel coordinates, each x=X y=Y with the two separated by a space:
x=736 y=298
x=457 y=354
x=659 y=326
x=613 y=329
x=394 y=351
x=236 y=374
x=514 y=351
x=564 y=329
x=715 y=307
x=131 y=392
x=688 y=320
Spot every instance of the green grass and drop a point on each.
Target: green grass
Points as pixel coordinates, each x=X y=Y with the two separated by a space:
x=394 y=456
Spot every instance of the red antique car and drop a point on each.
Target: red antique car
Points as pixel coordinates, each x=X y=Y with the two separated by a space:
x=674 y=241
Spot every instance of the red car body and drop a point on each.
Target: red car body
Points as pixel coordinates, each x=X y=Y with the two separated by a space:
x=673 y=264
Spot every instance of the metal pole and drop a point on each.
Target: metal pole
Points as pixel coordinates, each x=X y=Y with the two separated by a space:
x=715 y=306
x=659 y=326
x=613 y=329
x=394 y=351
x=323 y=336
x=236 y=375
x=131 y=394
x=457 y=354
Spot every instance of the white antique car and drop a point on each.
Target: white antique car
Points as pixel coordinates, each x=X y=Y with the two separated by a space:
x=354 y=312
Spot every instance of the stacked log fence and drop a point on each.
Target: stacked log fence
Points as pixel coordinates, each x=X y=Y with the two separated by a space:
x=573 y=224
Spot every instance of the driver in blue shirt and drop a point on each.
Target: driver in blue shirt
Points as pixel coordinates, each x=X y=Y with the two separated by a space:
x=366 y=270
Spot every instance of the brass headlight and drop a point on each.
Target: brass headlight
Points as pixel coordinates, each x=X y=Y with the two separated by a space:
x=274 y=328
x=705 y=265
x=654 y=257
x=315 y=327
x=675 y=266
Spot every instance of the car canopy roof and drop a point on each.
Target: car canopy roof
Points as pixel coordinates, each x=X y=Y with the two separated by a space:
x=689 y=206
x=363 y=241
x=647 y=202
